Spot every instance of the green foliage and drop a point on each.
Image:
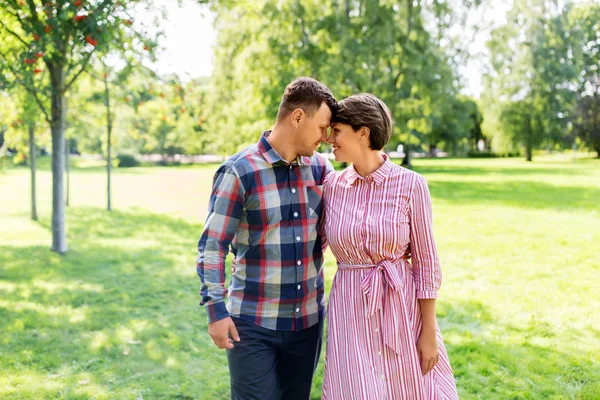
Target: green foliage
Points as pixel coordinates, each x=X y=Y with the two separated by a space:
x=386 y=48
x=170 y=117
x=127 y=161
x=586 y=20
x=490 y=154
x=542 y=61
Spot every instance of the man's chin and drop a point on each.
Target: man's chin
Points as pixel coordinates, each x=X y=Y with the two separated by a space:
x=308 y=153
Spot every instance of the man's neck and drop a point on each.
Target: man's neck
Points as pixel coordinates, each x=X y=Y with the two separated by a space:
x=280 y=139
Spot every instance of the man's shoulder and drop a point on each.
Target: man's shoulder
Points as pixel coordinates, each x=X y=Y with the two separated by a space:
x=243 y=161
x=319 y=159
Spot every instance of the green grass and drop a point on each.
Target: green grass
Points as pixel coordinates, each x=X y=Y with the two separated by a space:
x=117 y=317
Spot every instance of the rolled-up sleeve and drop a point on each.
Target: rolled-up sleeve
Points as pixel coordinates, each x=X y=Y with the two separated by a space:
x=427 y=273
x=224 y=213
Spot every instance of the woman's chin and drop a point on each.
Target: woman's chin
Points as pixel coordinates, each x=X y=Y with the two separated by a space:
x=339 y=157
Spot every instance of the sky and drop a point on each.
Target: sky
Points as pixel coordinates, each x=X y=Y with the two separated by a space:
x=190 y=38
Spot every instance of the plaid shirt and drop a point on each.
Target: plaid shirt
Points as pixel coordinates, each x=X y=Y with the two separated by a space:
x=269 y=212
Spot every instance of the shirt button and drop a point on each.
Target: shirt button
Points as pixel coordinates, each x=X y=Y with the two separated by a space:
x=298 y=238
x=297 y=310
x=379 y=353
x=299 y=262
x=293 y=190
x=299 y=287
x=376 y=330
x=295 y=214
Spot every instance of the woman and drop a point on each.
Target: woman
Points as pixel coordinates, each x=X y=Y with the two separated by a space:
x=383 y=341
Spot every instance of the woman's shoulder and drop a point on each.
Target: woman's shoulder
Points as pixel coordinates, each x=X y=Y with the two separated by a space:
x=409 y=179
x=338 y=177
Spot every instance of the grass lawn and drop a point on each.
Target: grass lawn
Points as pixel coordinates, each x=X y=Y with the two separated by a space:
x=117 y=317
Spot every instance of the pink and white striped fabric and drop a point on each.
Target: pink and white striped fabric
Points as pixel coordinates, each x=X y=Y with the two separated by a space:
x=373 y=225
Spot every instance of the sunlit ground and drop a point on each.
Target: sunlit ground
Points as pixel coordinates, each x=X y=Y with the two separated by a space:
x=117 y=317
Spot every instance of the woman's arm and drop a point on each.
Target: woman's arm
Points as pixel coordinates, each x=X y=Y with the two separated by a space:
x=427 y=345
x=427 y=273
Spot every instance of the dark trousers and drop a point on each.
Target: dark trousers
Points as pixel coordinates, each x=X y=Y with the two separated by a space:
x=273 y=365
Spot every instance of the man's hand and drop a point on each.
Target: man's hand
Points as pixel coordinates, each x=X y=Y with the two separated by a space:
x=223 y=333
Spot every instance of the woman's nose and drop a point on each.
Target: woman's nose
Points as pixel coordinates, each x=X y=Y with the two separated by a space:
x=328 y=137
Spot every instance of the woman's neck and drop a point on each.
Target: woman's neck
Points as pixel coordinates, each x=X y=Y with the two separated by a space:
x=369 y=162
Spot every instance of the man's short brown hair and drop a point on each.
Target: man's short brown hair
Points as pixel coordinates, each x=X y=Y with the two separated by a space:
x=366 y=110
x=307 y=94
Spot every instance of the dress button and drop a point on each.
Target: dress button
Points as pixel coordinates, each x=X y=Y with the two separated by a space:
x=376 y=330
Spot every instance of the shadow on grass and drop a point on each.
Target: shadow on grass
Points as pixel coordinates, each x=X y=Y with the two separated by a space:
x=116 y=317
x=88 y=225
x=493 y=359
x=517 y=194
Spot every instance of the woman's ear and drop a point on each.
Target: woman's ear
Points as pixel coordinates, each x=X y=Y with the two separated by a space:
x=364 y=132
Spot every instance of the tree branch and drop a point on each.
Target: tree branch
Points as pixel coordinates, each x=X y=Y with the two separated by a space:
x=33 y=10
x=84 y=64
x=14 y=34
x=37 y=99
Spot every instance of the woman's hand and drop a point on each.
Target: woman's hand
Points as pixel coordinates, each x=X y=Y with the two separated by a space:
x=234 y=264
x=428 y=349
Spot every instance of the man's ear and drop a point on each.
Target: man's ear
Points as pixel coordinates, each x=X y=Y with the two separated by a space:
x=297 y=116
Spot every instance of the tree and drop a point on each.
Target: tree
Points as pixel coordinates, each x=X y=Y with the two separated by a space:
x=586 y=25
x=7 y=116
x=532 y=74
x=170 y=116
x=61 y=36
x=587 y=121
x=29 y=115
x=385 y=48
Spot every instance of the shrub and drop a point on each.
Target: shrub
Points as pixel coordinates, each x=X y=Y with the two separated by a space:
x=127 y=161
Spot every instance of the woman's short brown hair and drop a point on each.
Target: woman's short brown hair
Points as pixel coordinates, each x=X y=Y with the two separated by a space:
x=366 y=110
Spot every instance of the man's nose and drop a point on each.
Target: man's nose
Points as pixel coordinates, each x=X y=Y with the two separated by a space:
x=325 y=136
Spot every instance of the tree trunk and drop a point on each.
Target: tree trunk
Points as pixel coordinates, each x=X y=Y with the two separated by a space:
x=68 y=169
x=528 y=153
x=59 y=238
x=32 y=165
x=407 y=160
x=529 y=141
x=108 y=144
x=2 y=130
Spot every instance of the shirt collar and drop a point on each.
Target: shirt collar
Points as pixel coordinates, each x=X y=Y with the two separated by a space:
x=273 y=157
x=378 y=176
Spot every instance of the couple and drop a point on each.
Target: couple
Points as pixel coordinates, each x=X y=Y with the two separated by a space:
x=276 y=206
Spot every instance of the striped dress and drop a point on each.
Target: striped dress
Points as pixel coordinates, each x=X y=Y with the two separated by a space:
x=374 y=225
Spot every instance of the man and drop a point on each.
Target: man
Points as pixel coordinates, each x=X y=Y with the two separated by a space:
x=266 y=206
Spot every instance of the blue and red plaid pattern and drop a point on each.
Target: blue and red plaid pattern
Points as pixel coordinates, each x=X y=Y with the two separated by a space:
x=268 y=213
